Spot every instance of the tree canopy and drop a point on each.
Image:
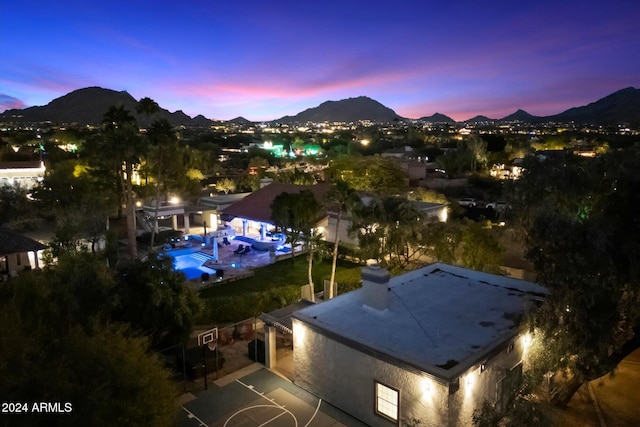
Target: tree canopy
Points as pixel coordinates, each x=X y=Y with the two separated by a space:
x=60 y=344
x=389 y=229
x=582 y=235
x=154 y=300
x=295 y=214
x=382 y=175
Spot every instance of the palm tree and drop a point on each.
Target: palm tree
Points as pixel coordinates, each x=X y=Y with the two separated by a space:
x=148 y=107
x=312 y=241
x=122 y=144
x=296 y=214
x=344 y=197
x=163 y=151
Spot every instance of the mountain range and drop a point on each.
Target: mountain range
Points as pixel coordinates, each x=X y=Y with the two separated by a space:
x=88 y=105
x=346 y=110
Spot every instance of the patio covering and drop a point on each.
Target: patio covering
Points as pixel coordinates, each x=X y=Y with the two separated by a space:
x=13 y=243
x=257 y=205
x=281 y=318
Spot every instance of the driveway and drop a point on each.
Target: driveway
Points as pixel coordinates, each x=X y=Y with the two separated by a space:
x=609 y=401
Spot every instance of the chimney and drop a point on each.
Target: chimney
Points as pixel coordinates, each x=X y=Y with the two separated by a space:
x=375 y=285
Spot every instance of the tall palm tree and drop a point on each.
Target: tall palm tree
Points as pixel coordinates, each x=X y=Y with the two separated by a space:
x=312 y=241
x=122 y=142
x=162 y=156
x=297 y=214
x=148 y=107
x=344 y=198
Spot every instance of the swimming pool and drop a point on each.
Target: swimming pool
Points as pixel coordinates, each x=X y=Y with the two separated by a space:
x=190 y=262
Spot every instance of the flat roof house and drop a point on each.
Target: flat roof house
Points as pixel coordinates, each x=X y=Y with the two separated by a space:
x=26 y=174
x=432 y=344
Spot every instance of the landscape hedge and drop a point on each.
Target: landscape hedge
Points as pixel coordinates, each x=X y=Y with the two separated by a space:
x=238 y=307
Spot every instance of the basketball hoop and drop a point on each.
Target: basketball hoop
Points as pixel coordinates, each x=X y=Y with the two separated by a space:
x=208 y=338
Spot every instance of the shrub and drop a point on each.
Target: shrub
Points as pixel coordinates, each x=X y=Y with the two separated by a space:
x=348 y=280
x=238 y=307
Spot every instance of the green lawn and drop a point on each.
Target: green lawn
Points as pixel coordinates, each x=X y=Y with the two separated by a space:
x=282 y=273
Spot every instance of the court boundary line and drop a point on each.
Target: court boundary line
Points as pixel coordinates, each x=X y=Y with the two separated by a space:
x=314 y=414
x=192 y=415
x=284 y=411
x=295 y=419
x=277 y=416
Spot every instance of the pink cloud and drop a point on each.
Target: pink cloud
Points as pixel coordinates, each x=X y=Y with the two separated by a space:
x=8 y=102
x=239 y=90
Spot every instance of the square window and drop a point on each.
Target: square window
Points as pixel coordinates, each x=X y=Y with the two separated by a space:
x=387 y=401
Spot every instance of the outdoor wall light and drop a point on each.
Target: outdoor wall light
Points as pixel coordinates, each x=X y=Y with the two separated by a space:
x=428 y=389
x=470 y=382
x=299 y=334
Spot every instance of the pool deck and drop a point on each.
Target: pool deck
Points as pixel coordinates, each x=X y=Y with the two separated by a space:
x=235 y=266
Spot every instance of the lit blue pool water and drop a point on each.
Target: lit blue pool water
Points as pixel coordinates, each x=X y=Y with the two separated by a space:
x=189 y=262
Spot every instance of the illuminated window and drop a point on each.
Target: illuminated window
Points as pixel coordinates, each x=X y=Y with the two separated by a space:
x=387 y=401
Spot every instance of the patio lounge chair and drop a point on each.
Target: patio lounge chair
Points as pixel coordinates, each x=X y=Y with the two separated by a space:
x=246 y=250
x=239 y=250
x=225 y=241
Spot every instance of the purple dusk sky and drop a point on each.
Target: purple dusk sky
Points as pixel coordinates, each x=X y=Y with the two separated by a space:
x=266 y=59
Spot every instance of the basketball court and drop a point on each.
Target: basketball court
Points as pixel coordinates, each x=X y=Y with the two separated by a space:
x=261 y=399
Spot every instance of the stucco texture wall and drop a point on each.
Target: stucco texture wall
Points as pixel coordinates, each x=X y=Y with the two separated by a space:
x=345 y=378
x=478 y=386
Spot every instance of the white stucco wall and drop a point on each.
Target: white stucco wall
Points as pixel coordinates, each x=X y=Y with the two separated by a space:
x=16 y=263
x=25 y=177
x=345 y=224
x=478 y=386
x=344 y=377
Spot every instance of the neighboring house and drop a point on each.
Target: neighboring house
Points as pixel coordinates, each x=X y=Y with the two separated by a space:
x=513 y=170
x=433 y=210
x=328 y=226
x=398 y=152
x=14 y=252
x=416 y=170
x=209 y=210
x=252 y=214
x=432 y=344
x=25 y=174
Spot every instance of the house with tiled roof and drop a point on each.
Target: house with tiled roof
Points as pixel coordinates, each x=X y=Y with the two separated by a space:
x=16 y=252
x=251 y=216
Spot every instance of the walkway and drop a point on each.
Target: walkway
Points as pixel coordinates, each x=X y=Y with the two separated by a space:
x=609 y=401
